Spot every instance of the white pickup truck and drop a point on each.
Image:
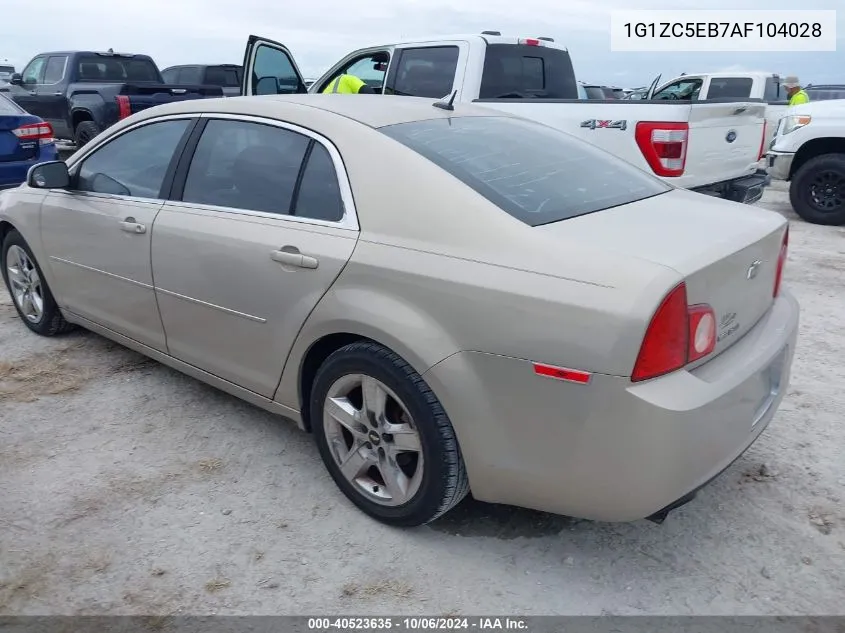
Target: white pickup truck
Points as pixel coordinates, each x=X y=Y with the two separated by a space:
x=809 y=152
x=708 y=146
x=728 y=85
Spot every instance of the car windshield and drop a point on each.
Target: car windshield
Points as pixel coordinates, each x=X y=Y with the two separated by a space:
x=105 y=68
x=535 y=173
x=9 y=107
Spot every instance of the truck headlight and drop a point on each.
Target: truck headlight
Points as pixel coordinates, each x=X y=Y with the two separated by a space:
x=793 y=122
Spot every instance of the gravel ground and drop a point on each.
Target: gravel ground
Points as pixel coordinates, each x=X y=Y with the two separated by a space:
x=127 y=488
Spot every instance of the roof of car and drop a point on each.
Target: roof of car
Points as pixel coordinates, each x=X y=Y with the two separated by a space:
x=371 y=110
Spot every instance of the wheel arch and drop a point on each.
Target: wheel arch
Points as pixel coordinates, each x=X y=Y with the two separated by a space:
x=816 y=147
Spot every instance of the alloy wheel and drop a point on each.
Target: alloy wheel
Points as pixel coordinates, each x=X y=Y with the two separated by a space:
x=373 y=439
x=27 y=290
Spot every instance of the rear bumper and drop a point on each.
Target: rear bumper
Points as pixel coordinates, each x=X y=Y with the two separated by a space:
x=746 y=190
x=13 y=174
x=613 y=450
x=779 y=164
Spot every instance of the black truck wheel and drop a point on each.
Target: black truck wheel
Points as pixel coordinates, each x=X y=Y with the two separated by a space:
x=84 y=132
x=817 y=191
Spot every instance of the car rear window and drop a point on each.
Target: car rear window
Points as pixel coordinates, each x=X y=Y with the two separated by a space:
x=7 y=106
x=227 y=77
x=825 y=93
x=730 y=88
x=535 y=173
x=103 y=68
x=519 y=71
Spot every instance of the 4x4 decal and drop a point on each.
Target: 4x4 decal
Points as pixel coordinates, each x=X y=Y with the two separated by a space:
x=611 y=125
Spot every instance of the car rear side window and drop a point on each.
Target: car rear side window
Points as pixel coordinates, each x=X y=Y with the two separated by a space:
x=537 y=174
x=133 y=164
x=425 y=72
x=518 y=71
x=319 y=195
x=730 y=88
x=774 y=91
x=246 y=165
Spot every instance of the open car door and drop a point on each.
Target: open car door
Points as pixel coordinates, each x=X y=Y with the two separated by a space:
x=651 y=89
x=269 y=69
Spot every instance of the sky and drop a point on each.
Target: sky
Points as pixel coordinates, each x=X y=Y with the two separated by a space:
x=320 y=32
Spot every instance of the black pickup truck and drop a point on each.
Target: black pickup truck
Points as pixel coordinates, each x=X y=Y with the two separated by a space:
x=81 y=93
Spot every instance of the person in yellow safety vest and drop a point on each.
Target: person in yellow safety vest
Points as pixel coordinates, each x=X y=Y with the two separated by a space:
x=347 y=84
x=794 y=91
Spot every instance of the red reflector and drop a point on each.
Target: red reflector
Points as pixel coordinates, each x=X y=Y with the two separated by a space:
x=530 y=42
x=784 y=248
x=664 y=346
x=562 y=373
x=664 y=146
x=123 y=109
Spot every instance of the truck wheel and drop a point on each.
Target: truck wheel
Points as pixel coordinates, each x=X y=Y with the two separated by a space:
x=84 y=132
x=817 y=191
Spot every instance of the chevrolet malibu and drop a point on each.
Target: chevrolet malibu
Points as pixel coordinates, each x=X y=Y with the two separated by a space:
x=449 y=299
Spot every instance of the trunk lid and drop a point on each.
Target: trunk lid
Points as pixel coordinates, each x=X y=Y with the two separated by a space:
x=726 y=252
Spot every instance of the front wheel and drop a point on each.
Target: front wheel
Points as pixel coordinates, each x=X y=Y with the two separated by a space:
x=30 y=293
x=384 y=436
x=817 y=190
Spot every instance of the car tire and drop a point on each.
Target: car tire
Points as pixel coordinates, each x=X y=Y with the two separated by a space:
x=435 y=474
x=19 y=266
x=817 y=190
x=84 y=132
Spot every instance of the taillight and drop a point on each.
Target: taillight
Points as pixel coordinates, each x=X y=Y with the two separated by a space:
x=784 y=248
x=123 y=109
x=664 y=146
x=678 y=334
x=762 y=151
x=41 y=132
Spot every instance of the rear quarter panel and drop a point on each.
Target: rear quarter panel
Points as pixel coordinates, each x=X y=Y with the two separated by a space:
x=438 y=269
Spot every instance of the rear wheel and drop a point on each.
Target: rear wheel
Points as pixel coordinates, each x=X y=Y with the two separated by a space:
x=30 y=293
x=817 y=191
x=384 y=437
x=84 y=132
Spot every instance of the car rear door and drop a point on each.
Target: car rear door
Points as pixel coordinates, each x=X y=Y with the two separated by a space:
x=260 y=224
x=269 y=68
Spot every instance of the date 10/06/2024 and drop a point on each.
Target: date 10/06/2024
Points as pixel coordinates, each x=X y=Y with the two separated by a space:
x=422 y=623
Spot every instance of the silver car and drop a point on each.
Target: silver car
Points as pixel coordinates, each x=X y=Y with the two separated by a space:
x=449 y=300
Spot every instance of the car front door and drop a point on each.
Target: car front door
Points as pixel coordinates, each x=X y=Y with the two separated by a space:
x=26 y=94
x=260 y=224
x=97 y=232
x=269 y=69
x=52 y=97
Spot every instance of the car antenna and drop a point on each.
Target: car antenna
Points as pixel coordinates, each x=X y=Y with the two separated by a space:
x=446 y=105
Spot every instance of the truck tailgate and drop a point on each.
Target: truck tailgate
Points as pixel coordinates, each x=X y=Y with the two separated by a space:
x=611 y=125
x=724 y=140
x=143 y=96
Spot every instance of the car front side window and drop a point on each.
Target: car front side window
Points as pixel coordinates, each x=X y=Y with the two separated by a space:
x=133 y=164
x=34 y=71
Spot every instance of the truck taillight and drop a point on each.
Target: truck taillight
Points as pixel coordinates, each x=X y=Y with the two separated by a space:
x=664 y=146
x=762 y=151
x=123 y=109
x=41 y=132
x=678 y=334
x=784 y=249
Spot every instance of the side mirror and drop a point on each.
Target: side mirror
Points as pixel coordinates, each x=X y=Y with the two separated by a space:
x=50 y=175
x=16 y=79
x=267 y=86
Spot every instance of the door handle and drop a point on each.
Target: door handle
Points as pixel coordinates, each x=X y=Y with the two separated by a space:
x=292 y=257
x=58 y=94
x=131 y=226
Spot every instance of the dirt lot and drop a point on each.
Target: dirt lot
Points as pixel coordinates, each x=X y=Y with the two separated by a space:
x=126 y=487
